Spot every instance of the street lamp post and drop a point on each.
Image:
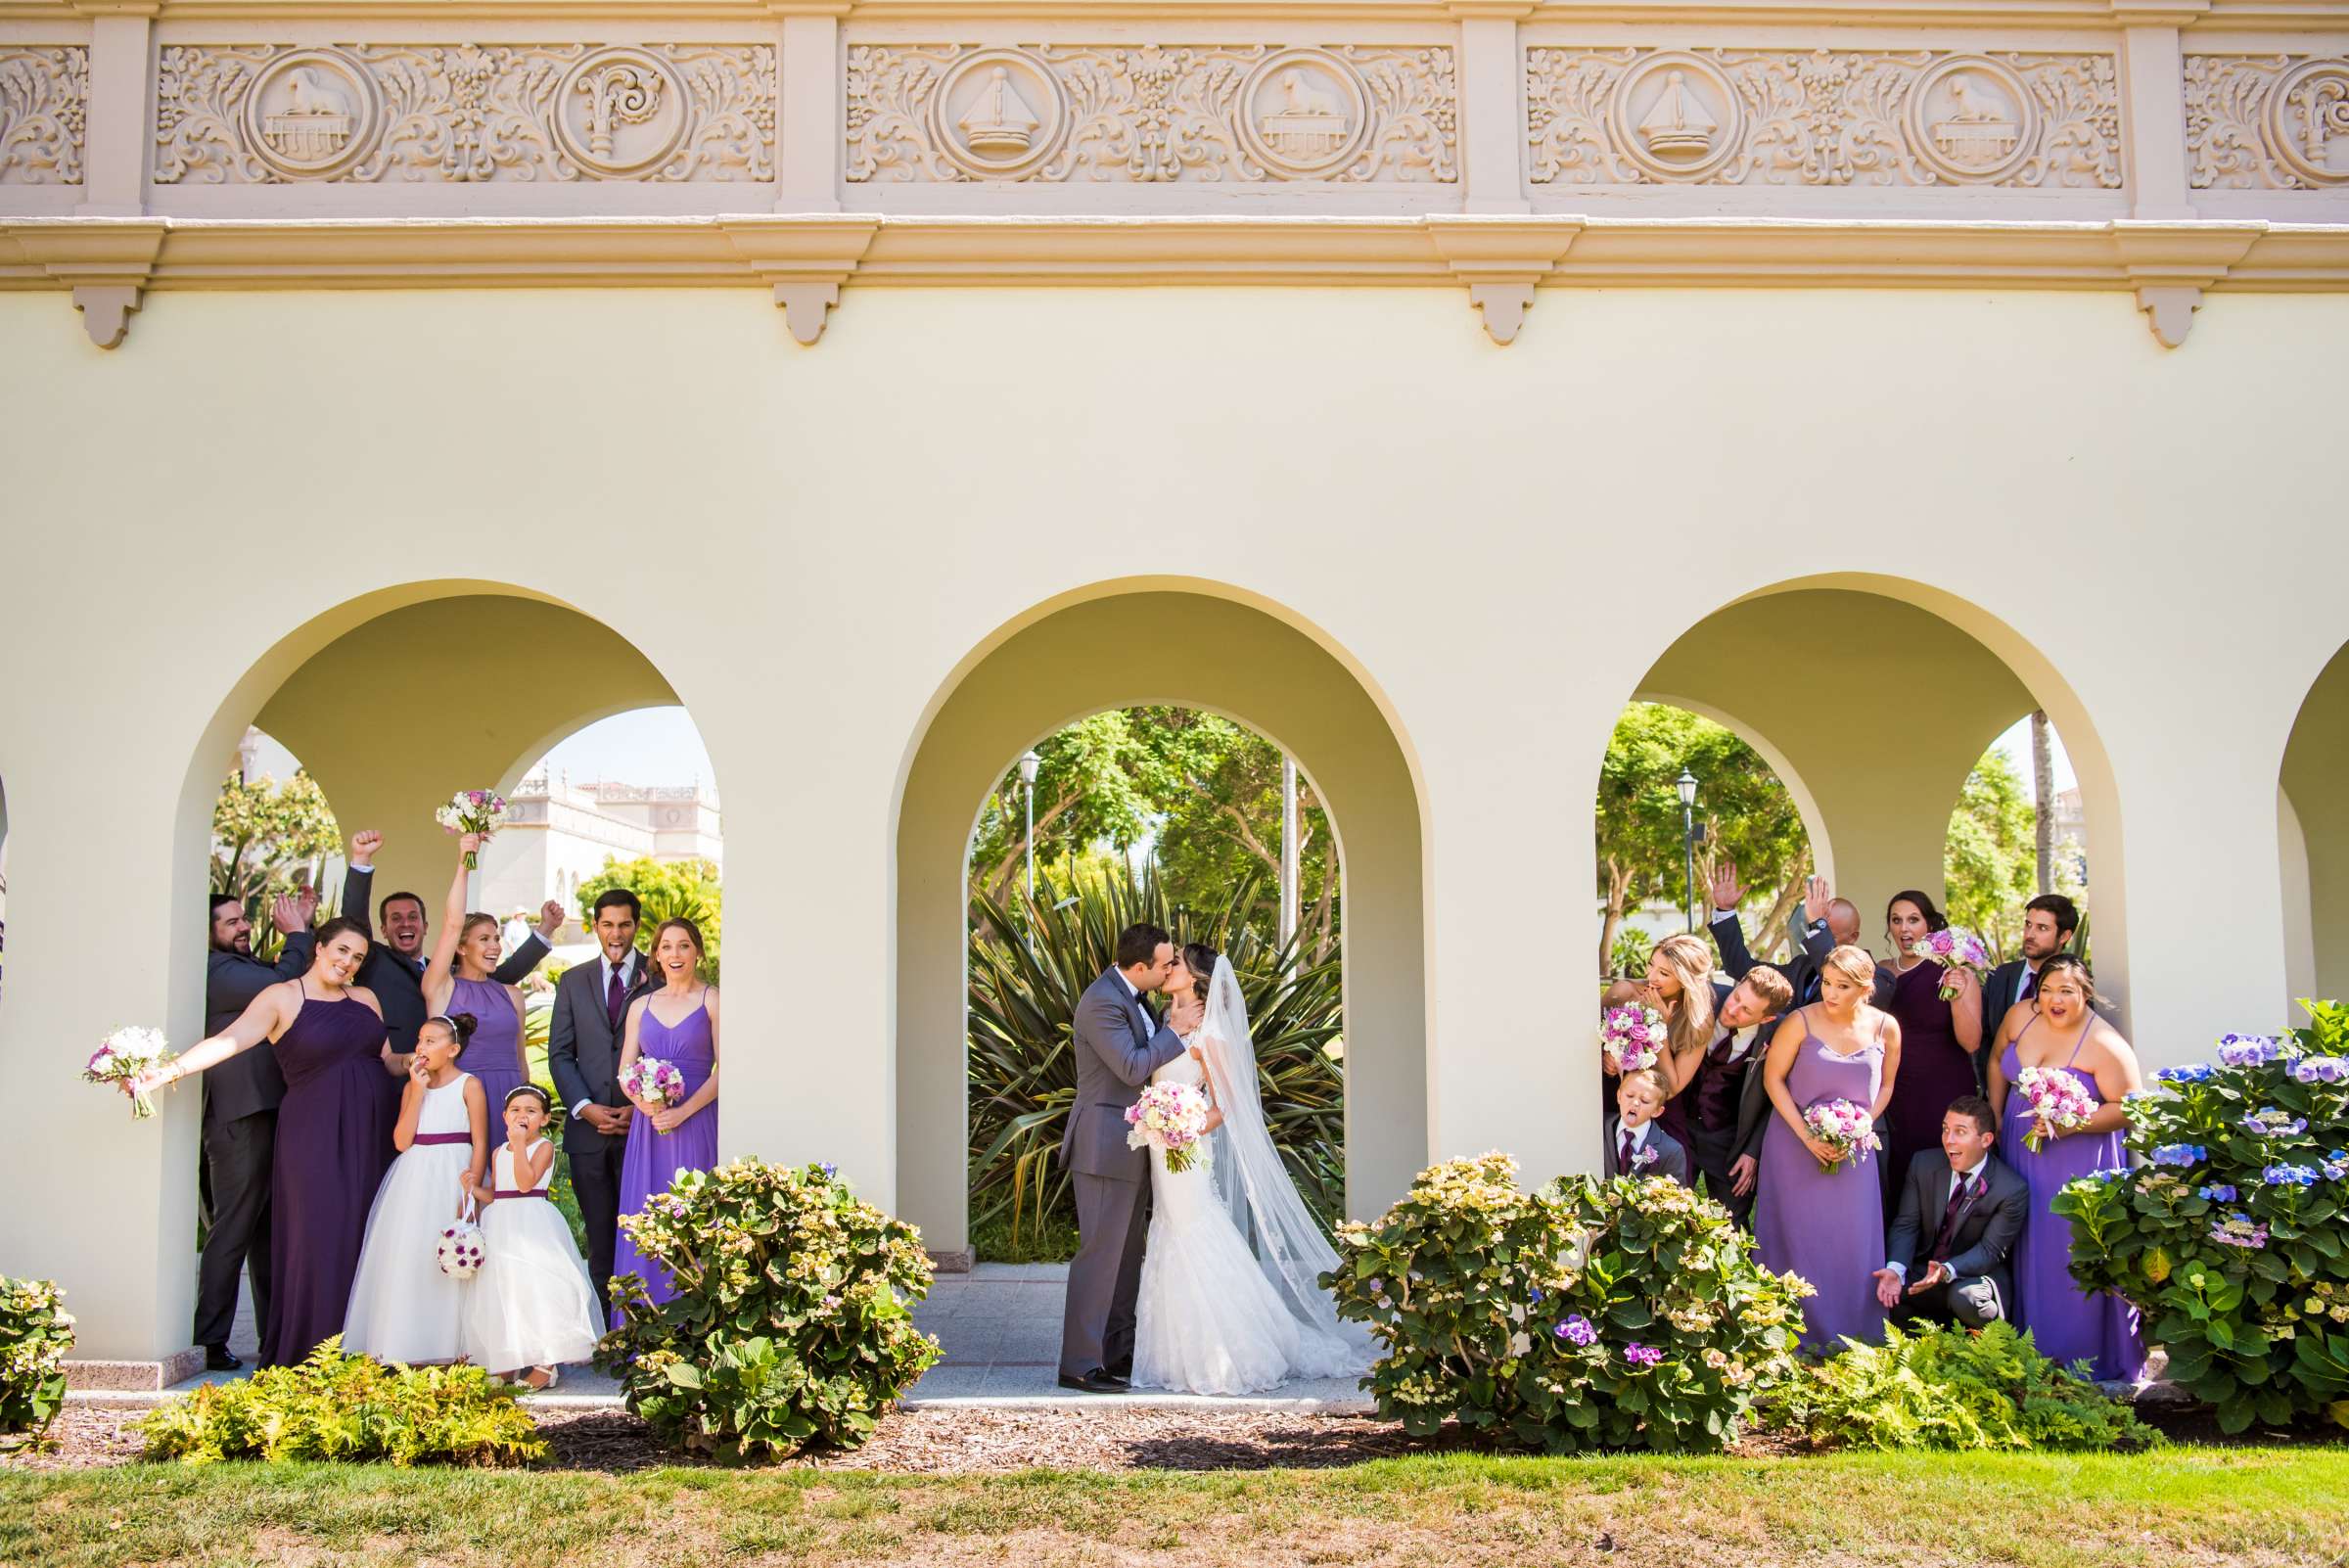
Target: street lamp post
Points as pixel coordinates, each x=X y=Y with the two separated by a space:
x=1029 y=763
x=1686 y=783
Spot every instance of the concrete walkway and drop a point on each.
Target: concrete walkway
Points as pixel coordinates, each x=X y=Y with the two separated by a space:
x=999 y=1328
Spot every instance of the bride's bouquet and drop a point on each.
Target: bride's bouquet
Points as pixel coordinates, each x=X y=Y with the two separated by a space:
x=1843 y=1127
x=1172 y=1118
x=649 y=1077
x=481 y=811
x=1632 y=1036
x=1953 y=949
x=2056 y=1098
x=125 y=1055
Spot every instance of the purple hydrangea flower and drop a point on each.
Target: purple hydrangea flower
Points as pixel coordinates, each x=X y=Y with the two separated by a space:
x=2239 y=1230
x=1576 y=1330
x=2249 y=1050
x=1639 y=1354
x=828 y=1169
x=2321 y=1070
x=2270 y=1123
x=2216 y=1192
x=2180 y=1154
x=2336 y=1166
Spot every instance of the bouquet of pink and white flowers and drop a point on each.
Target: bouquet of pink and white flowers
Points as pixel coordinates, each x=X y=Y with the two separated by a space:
x=481 y=811
x=1172 y=1118
x=649 y=1077
x=2058 y=1099
x=1953 y=949
x=1845 y=1127
x=1632 y=1036
x=126 y=1055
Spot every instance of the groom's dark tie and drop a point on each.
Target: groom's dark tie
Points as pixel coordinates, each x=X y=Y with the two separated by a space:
x=1959 y=1196
x=616 y=999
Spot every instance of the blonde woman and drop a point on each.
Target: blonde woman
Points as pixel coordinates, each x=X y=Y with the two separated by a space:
x=1828 y=1225
x=1680 y=985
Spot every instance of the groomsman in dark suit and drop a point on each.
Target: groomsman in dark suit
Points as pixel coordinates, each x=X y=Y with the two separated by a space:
x=1826 y=925
x=395 y=966
x=1961 y=1211
x=1724 y=1107
x=582 y=1050
x=239 y=1119
x=2050 y=922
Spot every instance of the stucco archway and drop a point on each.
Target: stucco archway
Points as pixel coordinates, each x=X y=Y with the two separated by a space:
x=2313 y=816
x=1176 y=648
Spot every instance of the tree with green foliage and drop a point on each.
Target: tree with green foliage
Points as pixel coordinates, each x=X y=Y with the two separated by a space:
x=1990 y=859
x=1748 y=814
x=667 y=890
x=269 y=839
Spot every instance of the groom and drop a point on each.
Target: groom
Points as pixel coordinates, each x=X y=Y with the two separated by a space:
x=1119 y=1044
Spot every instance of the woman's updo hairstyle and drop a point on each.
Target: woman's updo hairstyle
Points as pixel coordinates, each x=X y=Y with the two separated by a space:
x=1935 y=920
x=1200 y=959
x=1855 y=964
x=473 y=922
x=2064 y=963
x=339 y=926
x=460 y=1027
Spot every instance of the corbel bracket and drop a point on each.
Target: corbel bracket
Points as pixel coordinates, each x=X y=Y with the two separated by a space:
x=2170 y=265
x=1501 y=259
x=106 y=262
x=805 y=259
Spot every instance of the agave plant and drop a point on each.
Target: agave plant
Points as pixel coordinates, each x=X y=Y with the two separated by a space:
x=1029 y=962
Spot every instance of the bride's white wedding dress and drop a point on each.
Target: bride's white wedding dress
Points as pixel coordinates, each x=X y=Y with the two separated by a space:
x=1217 y=1315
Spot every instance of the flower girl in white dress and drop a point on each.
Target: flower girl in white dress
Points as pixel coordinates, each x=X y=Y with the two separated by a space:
x=532 y=1307
x=403 y=1307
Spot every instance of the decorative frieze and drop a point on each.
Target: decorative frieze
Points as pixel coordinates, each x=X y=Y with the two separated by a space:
x=1244 y=114
x=44 y=95
x=2267 y=121
x=1827 y=117
x=268 y=114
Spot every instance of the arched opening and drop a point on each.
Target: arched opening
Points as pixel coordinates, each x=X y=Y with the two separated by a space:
x=2313 y=813
x=1215 y=655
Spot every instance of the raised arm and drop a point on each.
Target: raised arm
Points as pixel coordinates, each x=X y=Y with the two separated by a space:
x=358 y=880
x=532 y=951
x=1729 y=932
x=438 y=982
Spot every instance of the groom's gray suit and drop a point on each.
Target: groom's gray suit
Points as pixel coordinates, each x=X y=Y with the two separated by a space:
x=1119 y=1043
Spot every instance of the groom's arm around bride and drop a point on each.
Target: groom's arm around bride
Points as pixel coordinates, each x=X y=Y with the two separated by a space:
x=1119 y=1043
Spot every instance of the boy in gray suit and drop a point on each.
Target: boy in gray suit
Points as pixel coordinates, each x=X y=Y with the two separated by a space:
x=1119 y=1043
x=1635 y=1144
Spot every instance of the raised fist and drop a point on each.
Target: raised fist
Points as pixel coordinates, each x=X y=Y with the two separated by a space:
x=363 y=844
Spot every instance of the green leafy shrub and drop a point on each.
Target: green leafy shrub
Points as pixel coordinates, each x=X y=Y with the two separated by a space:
x=2230 y=1238
x=1949 y=1388
x=793 y=1321
x=35 y=1332
x=348 y=1408
x=1627 y=1313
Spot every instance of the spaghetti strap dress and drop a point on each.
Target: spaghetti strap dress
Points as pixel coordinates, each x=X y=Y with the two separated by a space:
x=1825 y=1225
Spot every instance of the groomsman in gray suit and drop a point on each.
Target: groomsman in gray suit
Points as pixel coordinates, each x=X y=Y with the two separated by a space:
x=1958 y=1271
x=582 y=1050
x=1119 y=1043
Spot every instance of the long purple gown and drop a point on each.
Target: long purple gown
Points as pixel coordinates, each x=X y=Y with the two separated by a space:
x=333 y=1143
x=1827 y=1226
x=1934 y=1069
x=652 y=1160
x=494 y=1053
x=2066 y=1324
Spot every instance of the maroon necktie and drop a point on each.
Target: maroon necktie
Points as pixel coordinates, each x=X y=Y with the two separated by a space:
x=1959 y=1196
x=1622 y=1154
x=616 y=999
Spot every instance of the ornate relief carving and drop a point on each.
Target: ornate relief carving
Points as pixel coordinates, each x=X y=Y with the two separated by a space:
x=1352 y=114
x=43 y=92
x=2267 y=121
x=1756 y=116
x=264 y=114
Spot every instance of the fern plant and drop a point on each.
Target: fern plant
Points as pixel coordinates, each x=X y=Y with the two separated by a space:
x=1951 y=1388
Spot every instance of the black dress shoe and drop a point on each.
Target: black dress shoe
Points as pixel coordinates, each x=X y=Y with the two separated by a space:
x=220 y=1358
x=1095 y=1381
x=1123 y=1378
x=1123 y=1370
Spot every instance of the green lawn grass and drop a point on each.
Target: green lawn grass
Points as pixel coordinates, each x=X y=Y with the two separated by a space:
x=2173 y=1508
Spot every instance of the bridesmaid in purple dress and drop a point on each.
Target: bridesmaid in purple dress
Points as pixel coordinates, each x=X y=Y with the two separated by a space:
x=1939 y=1039
x=678 y=1025
x=2059 y=1029
x=457 y=981
x=1828 y=1225
x=334 y=1141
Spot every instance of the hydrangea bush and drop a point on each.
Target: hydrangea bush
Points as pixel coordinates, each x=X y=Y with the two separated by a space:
x=793 y=1321
x=1620 y=1315
x=2230 y=1238
x=35 y=1332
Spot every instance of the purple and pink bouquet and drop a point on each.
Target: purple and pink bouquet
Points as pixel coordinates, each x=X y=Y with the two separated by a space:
x=2059 y=1101
x=1843 y=1127
x=460 y=1250
x=126 y=1055
x=1953 y=949
x=1171 y=1117
x=1632 y=1036
x=481 y=811
x=649 y=1077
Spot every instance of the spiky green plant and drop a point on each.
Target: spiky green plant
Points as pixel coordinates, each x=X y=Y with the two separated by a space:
x=1028 y=965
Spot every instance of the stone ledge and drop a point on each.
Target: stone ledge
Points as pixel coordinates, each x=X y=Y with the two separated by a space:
x=959 y=1261
x=135 y=1378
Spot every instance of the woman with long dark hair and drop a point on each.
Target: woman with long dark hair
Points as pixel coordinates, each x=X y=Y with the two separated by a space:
x=1938 y=1039
x=676 y=1025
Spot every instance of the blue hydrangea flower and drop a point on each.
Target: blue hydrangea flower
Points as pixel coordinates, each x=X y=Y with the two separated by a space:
x=2290 y=1176
x=828 y=1169
x=2249 y=1050
x=2180 y=1154
x=2336 y=1166
x=2192 y=1073
x=2217 y=1192
x=1532 y=1298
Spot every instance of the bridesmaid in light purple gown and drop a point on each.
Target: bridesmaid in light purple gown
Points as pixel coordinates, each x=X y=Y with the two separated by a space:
x=678 y=1025
x=457 y=981
x=2058 y=1029
x=1828 y=1225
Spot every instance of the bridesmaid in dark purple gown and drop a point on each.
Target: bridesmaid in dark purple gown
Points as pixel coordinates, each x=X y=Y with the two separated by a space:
x=334 y=1141
x=1938 y=1039
x=2059 y=1029
x=1828 y=1225
x=678 y=1025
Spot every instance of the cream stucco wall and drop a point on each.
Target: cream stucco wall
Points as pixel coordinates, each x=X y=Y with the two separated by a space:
x=812 y=547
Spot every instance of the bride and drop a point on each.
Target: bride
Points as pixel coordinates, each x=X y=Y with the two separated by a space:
x=1229 y=1300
